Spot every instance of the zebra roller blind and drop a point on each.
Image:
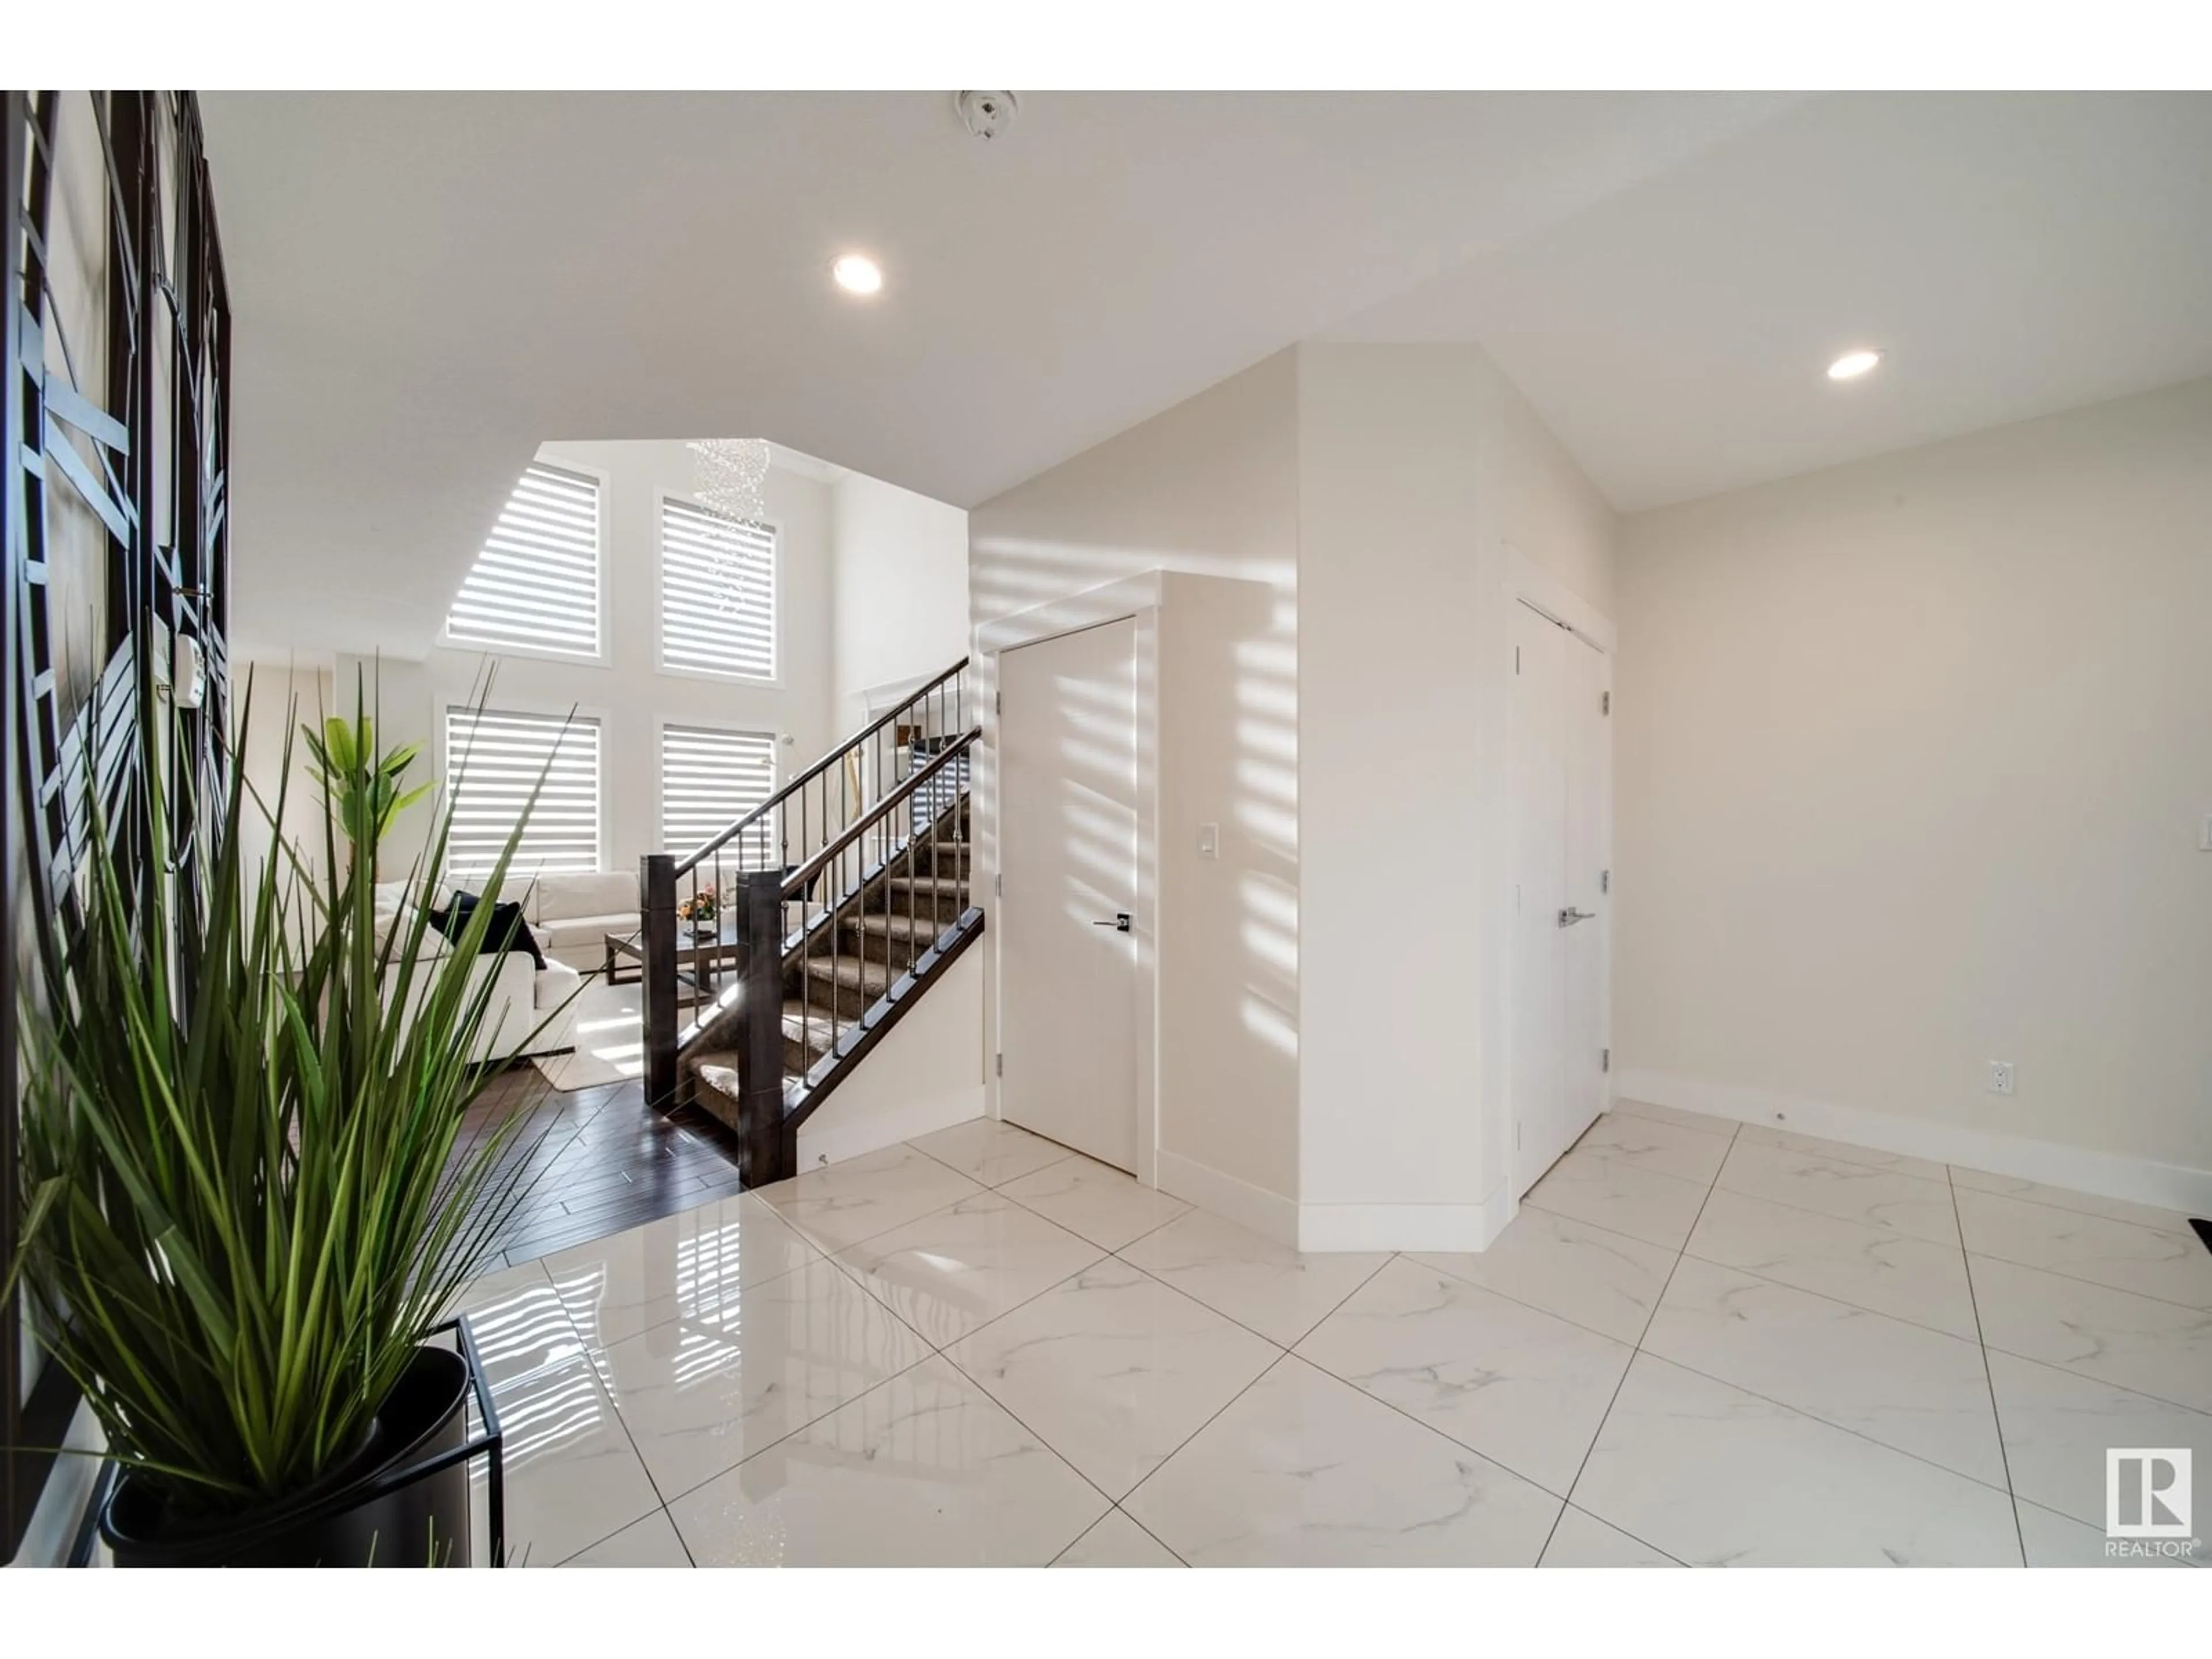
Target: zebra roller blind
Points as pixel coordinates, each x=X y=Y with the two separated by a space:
x=717 y=594
x=709 y=778
x=493 y=759
x=537 y=582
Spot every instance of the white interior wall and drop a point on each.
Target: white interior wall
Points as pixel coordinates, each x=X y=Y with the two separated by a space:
x=1208 y=488
x=285 y=696
x=1914 y=763
x=1389 y=785
x=898 y=592
x=1226 y=931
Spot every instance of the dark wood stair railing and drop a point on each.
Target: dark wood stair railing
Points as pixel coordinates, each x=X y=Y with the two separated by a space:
x=780 y=1015
x=937 y=711
x=830 y=791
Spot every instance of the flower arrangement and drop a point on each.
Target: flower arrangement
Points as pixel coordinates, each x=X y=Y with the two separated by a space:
x=703 y=909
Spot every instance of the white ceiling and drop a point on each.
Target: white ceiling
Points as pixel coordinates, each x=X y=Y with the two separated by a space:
x=2013 y=254
x=427 y=286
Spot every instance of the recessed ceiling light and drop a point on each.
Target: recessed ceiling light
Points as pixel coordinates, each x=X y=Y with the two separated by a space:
x=1853 y=364
x=856 y=273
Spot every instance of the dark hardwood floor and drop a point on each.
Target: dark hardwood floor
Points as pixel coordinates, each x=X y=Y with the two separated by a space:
x=596 y=1161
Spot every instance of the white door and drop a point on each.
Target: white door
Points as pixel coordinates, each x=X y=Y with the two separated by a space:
x=1067 y=852
x=1563 y=814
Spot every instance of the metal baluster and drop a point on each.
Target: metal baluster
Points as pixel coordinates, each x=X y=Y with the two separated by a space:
x=834 y=927
x=913 y=851
x=807 y=964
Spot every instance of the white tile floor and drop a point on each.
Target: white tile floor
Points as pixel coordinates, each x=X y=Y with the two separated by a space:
x=1696 y=1344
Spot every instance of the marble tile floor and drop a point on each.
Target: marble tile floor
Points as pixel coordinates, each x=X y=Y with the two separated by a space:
x=1697 y=1344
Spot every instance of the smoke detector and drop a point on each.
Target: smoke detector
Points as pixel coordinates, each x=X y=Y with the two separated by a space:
x=986 y=114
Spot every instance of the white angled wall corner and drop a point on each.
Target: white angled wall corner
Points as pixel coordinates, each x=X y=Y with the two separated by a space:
x=1419 y=467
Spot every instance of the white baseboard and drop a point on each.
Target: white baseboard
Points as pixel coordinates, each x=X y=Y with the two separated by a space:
x=2109 y=1174
x=1399 y=1226
x=1269 y=1214
x=823 y=1138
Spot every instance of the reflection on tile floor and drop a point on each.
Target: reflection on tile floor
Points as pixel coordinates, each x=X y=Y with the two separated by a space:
x=1696 y=1345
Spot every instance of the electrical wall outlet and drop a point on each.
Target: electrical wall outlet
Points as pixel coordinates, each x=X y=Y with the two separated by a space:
x=2000 y=1077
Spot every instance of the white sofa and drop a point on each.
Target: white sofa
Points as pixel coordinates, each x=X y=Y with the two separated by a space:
x=572 y=912
x=532 y=1009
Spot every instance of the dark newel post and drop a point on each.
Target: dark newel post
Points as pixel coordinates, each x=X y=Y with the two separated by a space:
x=656 y=884
x=761 y=1110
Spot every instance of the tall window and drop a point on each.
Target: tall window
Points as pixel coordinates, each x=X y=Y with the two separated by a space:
x=493 y=759
x=717 y=594
x=709 y=778
x=536 y=585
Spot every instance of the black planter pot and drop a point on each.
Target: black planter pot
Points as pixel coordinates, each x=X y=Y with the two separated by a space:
x=373 y=1512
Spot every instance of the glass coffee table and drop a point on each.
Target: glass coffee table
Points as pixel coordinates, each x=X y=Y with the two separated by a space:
x=702 y=954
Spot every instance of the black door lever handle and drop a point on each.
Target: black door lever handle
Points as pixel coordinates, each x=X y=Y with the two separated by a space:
x=1120 y=924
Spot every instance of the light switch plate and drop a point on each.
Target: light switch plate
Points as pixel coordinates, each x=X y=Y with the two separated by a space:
x=1209 y=839
x=2204 y=838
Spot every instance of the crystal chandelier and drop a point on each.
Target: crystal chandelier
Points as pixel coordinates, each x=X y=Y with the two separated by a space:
x=730 y=472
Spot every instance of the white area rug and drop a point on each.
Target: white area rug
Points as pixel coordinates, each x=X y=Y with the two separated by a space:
x=610 y=1044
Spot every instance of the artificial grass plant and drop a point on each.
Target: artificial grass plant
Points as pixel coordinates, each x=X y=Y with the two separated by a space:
x=245 y=1203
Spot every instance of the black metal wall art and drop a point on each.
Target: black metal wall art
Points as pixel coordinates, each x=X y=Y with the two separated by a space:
x=112 y=510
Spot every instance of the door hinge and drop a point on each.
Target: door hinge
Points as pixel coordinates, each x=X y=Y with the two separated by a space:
x=1001 y=1068
x=999 y=884
x=1605 y=702
x=1605 y=881
x=1517 y=658
x=1516 y=1137
x=998 y=702
x=1605 y=1059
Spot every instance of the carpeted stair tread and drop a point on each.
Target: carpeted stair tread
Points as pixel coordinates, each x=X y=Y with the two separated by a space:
x=810 y=1025
x=852 y=972
x=801 y=1023
x=922 y=886
x=718 y=1068
x=899 y=925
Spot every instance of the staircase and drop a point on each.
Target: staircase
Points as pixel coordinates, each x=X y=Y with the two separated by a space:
x=839 y=902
